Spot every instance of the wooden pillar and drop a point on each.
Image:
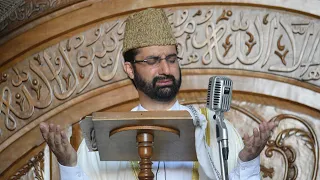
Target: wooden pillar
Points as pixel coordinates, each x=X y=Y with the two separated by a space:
x=145 y=150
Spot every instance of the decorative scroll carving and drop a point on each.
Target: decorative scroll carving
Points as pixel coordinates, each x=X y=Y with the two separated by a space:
x=36 y=163
x=20 y=78
x=267 y=172
x=250 y=43
x=281 y=48
x=288 y=152
x=224 y=16
x=213 y=41
x=300 y=28
x=58 y=73
x=5 y=102
x=93 y=58
x=3 y=77
x=29 y=10
x=193 y=58
x=36 y=87
x=198 y=13
x=227 y=45
x=265 y=19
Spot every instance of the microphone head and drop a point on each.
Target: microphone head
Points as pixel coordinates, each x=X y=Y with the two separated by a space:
x=219 y=93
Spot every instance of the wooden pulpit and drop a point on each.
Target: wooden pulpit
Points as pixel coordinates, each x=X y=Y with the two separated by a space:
x=143 y=136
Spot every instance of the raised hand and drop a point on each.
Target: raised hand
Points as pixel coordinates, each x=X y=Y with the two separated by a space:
x=58 y=143
x=254 y=144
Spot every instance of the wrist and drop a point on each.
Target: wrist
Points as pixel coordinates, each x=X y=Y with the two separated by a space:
x=244 y=156
x=70 y=164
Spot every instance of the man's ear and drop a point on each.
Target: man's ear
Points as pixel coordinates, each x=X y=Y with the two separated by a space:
x=129 y=69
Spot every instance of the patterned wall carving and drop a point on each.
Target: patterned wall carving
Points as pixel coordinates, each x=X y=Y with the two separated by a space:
x=254 y=39
x=59 y=73
x=29 y=10
x=293 y=150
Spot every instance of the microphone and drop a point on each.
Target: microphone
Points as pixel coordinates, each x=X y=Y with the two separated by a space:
x=219 y=100
x=219 y=94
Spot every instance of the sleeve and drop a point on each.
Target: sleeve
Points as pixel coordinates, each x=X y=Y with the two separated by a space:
x=249 y=170
x=238 y=170
x=72 y=173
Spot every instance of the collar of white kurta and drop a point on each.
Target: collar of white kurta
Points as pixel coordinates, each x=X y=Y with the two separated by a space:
x=176 y=107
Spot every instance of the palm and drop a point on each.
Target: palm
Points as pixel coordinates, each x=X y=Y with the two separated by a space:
x=253 y=145
x=58 y=143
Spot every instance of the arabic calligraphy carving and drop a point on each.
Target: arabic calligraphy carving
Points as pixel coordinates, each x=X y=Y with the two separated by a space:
x=65 y=70
x=207 y=37
x=249 y=38
x=29 y=10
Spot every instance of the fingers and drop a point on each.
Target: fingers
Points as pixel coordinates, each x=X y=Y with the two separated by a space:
x=247 y=140
x=64 y=139
x=259 y=137
x=44 y=129
x=58 y=143
x=52 y=130
x=57 y=139
x=256 y=133
x=256 y=136
x=254 y=144
x=264 y=131
x=246 y=137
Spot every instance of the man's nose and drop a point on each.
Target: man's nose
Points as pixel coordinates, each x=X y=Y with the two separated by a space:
x=164 y=67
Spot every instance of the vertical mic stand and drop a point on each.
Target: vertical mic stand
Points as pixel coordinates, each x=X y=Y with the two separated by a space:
x=222 y=138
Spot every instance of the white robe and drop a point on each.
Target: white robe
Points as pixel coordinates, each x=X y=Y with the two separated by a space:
x=90 y=167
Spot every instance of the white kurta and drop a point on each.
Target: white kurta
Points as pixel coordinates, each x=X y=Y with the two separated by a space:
x=90 y=167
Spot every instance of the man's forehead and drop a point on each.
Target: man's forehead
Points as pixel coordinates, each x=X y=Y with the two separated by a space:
x=157 y=50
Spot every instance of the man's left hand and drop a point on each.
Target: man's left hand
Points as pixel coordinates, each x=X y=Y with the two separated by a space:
x=254 y=144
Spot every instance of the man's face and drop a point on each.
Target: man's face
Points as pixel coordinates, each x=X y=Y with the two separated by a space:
x=160 y=81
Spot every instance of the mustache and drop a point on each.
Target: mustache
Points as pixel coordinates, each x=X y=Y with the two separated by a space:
x=164 y=77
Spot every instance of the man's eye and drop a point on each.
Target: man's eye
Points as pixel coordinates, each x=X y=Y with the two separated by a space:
x=172 y=59
x=152 y=61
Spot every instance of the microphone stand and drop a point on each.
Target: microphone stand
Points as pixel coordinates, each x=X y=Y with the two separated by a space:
x=222 y=138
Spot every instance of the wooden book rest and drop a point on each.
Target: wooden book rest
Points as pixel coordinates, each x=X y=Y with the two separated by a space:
x=153 y=135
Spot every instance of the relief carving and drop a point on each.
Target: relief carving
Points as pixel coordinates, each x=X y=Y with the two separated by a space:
x=280 y=146
x=281 y=48
x=224 y=38
x=58 y=73
x=28 y=10
x=208 y=37
x=224 y=16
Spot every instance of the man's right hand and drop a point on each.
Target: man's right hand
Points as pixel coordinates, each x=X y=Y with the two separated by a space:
x=58 y=143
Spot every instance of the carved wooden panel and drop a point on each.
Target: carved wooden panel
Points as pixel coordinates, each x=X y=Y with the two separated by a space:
x=29 y=10
x=255 y=39
x=293 y=150
x=252 y=39
x=58 y=74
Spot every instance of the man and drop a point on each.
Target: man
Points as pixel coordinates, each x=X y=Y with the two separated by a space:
x=151 y=62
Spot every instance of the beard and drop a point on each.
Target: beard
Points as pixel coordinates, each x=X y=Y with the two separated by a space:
x=159 y=93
